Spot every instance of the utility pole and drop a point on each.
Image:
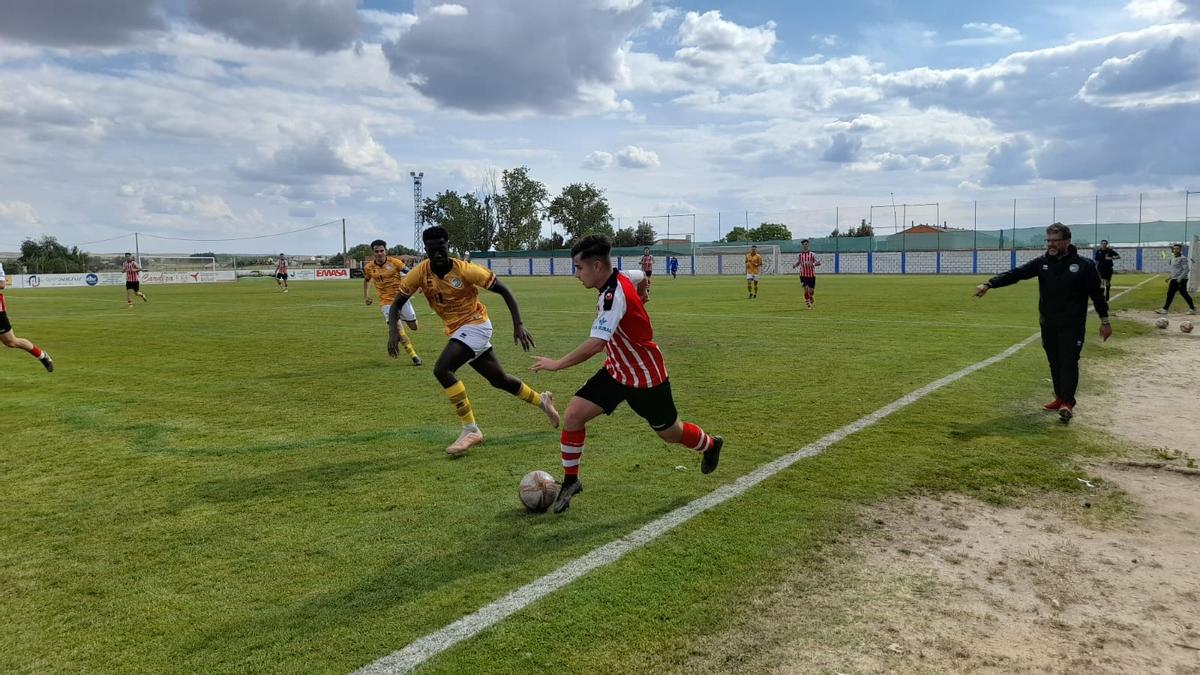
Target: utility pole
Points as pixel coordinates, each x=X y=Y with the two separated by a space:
x=417 y=178
x=345 y=263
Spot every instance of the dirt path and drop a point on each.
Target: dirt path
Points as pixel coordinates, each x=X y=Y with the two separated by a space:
x=956 y=585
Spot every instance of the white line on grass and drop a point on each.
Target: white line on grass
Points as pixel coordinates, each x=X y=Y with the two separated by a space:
x=425 y=648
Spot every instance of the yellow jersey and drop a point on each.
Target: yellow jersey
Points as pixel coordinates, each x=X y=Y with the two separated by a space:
x=454 y=297
x=753 y=263
x=386 y=277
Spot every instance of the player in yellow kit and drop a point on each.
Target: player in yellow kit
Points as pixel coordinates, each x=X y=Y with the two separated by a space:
x=387 y=272
x=451 y=287
x=754 y=263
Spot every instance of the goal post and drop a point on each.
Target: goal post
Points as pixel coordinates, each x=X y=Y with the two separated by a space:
x=1194 y=264
x=731 y=258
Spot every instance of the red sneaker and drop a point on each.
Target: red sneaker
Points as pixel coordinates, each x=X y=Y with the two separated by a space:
x=1053 y=405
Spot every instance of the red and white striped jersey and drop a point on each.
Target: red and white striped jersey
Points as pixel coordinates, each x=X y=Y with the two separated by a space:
x=808 y=264
x=281 y=266
x=131 y=270
x=647 y=263
x=631 y=356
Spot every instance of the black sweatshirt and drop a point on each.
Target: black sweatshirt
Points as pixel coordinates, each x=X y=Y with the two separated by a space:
x=1064 y=284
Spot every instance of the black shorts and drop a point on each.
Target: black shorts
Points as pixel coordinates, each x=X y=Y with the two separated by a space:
x=655 y=405
x=134 y=286
x=811 y=282
x=5 y=326
x=649 y=273
x=1106 y=275
x=281 y=277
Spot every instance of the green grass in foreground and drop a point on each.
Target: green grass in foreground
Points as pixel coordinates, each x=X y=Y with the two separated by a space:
x=230 y=479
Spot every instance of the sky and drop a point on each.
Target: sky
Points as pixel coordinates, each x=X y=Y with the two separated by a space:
x=221 y=119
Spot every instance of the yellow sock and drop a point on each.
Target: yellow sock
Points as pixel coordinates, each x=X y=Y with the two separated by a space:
x=407 y=343
x=457 y=393
x=749 y=287
x=756 y=288
x=528 y=395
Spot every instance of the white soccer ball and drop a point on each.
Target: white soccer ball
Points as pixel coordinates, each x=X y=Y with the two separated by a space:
x=1162 y=323
x=1186 y=326
x=537 y=491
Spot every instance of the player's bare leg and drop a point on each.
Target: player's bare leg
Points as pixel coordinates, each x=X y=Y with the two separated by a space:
x=13 y=342
x=452 y=358
x=489 y=367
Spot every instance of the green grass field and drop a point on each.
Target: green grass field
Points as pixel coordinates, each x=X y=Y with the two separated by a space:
x=229 y=479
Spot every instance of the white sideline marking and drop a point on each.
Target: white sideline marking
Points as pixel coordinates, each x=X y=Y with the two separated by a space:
x=425 y=648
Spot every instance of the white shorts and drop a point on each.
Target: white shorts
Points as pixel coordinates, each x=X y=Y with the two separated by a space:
x=751 y=277
x=477 y=336
x=407 y=313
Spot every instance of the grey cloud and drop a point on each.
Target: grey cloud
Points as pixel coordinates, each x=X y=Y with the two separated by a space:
x=842 y=148
x=508 y=56
x=315 y=25
x=67 y=23
x=597 y=159
x=1010 y=163
x=1161 y=67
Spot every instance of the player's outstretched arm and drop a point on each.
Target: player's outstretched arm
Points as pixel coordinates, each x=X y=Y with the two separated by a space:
x=366 y=296
x=590 y=347
x=520 y=335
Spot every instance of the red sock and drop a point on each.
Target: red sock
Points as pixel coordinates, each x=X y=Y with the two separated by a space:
x=572 y=450
x=695 y=438
x=37 y=353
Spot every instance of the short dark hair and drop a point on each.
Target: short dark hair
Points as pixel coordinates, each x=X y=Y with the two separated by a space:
x=592 y=246
x=378 y=242
x=803 y=241
x=1059 y=229
x=435 y=232
x=1103 y=241
x=128 y=253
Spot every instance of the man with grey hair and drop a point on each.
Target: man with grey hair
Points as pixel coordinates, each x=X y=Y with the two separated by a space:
x=1065 y=282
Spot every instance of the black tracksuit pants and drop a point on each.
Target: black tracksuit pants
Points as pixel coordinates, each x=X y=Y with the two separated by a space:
x=1063 y=343
x=1180 y=287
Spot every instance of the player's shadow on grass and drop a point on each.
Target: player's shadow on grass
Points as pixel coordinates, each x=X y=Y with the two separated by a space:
x=1014 y=425
x=499 y=558
x=320 y=477
x=365 y=439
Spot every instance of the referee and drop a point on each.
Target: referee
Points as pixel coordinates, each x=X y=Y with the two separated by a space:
x=1065 y=282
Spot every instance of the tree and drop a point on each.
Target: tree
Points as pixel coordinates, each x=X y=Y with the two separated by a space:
x=770 y=232
x=518 y=209
x=644 y=236
x=401 y=249
x=552 y=243
x=625 y=237
x=47 y=256
x=738 y=233
x=581 y=209
x=862 y=230
x=465 y=218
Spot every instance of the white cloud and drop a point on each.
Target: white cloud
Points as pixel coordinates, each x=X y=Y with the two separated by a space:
x=598 y=159
x=18 y=214
x=1161 y=75
x=991 y=34
x=827 y=40
x=633 y=157
x=449 y=9
x=861 y=123
x=1156 y=11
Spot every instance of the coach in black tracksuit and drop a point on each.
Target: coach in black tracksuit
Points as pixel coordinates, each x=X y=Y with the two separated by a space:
x=1065 y=282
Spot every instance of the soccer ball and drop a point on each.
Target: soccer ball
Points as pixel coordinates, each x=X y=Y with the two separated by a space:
x=1186 y=326
x=1162 y=323
x=537 y=491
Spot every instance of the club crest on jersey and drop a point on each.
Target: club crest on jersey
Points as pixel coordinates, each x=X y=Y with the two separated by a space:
x=1074 y=267
x=608 y=299
x=455 y=282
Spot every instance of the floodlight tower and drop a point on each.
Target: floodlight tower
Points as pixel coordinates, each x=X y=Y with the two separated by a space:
x=417 y=176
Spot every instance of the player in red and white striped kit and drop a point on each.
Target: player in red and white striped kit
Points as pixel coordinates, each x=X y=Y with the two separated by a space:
x=808 y=263
x=633 y=371
x=10 y=340
x=133 y=283
x=281 y=273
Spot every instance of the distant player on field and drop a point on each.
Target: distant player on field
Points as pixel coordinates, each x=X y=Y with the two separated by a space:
x=633 y=369
x=1104 y=257
x=674 y=265
x=281 y=273
x=754 y=263
x=387 y=272
x=10 y=340
x=451 y=287
x=133 y=283
x=647 y=262
x=808 y=263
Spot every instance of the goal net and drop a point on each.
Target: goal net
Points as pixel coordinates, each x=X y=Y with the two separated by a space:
x=178 y=263
x=731 y=259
